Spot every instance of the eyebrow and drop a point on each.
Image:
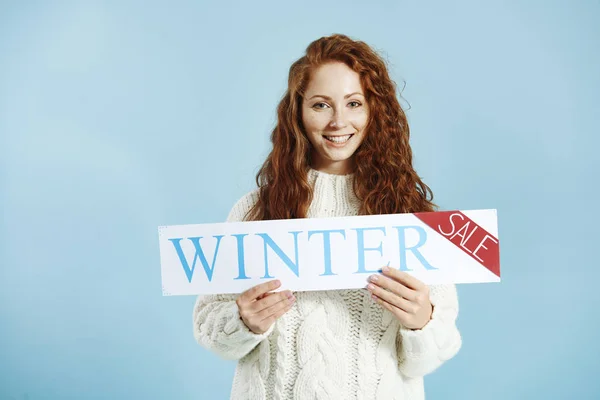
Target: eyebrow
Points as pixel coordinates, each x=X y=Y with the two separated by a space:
x=329 y=98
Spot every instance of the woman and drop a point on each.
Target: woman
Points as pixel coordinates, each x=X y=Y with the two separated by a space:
x=340 y=148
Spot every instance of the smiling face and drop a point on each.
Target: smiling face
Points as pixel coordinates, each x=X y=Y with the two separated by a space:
x=335 y=115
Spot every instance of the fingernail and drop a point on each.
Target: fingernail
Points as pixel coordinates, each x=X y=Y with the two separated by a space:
x=370 y=287
x=289 y=294
x=373 y=278
x=385 y=269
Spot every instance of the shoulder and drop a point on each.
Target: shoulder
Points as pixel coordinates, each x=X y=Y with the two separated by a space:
x=242 y=206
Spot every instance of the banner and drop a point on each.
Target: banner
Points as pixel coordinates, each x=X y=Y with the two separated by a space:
x=329 y=253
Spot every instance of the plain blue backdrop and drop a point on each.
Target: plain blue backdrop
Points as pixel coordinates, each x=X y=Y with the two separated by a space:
x=117 y=117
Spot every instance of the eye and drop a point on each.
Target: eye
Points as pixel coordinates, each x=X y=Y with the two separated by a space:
x=320 y=106
x=354 y=104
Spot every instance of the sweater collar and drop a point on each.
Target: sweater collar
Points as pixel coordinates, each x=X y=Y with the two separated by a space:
x=316 y=174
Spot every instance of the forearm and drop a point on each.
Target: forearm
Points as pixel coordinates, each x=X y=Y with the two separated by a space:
x=422 y=351
x=218 y=327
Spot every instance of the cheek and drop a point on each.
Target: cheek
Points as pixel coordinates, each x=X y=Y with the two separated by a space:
x=360 y=120
x=314 y=123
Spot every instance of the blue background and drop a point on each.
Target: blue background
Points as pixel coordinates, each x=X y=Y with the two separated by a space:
x=118 y=117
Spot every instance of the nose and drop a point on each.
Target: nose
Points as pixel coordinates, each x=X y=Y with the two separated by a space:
x=338 y=120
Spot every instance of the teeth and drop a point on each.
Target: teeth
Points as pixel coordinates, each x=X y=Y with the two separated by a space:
x=338 y=139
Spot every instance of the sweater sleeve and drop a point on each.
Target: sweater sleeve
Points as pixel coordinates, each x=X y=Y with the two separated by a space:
x=422 y=351
x=217 y=324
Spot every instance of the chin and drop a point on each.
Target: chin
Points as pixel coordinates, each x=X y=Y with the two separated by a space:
x=346 y=156
x=342 y=153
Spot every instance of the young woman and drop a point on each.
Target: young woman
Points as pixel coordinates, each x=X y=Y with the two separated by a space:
x=340 y=148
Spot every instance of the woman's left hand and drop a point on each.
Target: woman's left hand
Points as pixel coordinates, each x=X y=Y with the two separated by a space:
x=403 y=295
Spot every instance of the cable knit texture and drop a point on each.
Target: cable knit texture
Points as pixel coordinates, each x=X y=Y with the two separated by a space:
x=336 y=344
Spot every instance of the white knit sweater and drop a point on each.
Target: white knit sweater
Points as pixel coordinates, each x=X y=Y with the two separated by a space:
x=332 y=344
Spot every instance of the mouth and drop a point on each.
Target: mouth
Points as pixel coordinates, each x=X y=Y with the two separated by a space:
x=338 y=139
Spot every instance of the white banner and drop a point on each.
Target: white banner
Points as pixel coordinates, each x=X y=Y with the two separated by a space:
x=329 y=253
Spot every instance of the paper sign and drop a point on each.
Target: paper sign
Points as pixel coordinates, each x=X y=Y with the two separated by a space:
x=329 y=253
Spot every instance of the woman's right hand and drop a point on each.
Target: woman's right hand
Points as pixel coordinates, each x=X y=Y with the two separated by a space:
x=259 y=308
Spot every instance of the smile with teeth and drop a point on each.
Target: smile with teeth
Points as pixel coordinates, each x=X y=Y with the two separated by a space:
x=338 y=139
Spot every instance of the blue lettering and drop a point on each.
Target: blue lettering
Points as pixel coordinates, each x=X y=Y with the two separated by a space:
x=293 y=266
x=241 y=262
x=414 y=249
x=199 y=254
x=327 y=247
x=362 y=249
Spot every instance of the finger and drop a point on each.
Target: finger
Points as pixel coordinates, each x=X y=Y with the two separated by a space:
x=252 y=293
x=403 y=277
x=269 y=300
x=393 y=299
x=402 y=315
x=262 y=296
x=267 y=322
x=393 y=286
x=276 y=309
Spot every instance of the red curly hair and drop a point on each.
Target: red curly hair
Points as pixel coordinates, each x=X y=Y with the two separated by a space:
x=384 y=179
